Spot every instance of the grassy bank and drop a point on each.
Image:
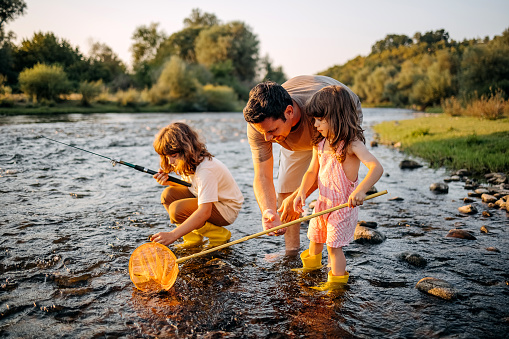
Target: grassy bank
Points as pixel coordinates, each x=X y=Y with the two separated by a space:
x=478 y=145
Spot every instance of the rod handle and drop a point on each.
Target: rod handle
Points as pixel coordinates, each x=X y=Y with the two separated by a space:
x=332 y=209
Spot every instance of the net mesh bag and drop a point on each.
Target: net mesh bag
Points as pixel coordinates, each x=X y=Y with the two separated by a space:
x=152 y=267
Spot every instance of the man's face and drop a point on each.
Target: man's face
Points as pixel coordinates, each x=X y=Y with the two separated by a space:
x=274 y=130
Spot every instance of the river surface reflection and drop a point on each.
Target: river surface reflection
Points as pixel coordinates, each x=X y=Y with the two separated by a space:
x=69 y=222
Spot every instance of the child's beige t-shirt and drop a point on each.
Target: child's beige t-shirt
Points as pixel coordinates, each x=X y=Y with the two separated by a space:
x=213 y=182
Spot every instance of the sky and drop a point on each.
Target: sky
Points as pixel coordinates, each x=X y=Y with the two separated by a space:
x=304 y=37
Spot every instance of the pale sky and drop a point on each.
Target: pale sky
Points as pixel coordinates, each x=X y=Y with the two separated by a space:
x=305 y=37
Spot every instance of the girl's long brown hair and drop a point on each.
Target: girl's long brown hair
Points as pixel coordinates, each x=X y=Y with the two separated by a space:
x=179 y=138
x=336 y=106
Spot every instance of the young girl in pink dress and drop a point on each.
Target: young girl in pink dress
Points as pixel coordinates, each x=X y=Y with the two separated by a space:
x=339 y=148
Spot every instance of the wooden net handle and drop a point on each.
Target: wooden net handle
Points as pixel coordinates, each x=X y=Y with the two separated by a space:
x=332 y=209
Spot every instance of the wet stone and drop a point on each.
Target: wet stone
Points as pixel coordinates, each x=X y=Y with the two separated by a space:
x=413 y=259
x=487 y=198
x=370 y=224
x=374 y=143
x=460 y=234
x=493 y=249
x=372 y=190
x=486 y=214
x=482 y=191
x=467 y=209
x=396 y=199
x=409 y=164
x=365 y=235
x=463 y=172
x=437 y=287
x=468 y=200
x=439 y=187
x=484 y=229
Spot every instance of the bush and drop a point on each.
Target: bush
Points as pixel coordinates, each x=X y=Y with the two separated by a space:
x=44 y=82
x=490 y=107
x=129 y=98
x=220 y=98
x=452 y=106
x=89 y=91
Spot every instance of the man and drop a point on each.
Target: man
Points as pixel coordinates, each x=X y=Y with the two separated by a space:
x=276 y=113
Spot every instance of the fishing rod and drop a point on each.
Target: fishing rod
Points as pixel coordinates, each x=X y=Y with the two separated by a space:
x=114 y=162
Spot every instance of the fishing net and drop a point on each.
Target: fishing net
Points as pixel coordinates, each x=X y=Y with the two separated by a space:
x=152 y=267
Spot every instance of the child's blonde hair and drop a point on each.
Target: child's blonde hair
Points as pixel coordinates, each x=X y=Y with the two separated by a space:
x=179 y=139
x=336 y=106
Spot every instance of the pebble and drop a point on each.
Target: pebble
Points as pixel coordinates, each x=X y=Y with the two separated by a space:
x=410 y=164
x=367 y=235
x=437 y=287
x=493 y=249
x=413 y=259
x=484 y=229
x=487 y=198
x=467 y=209
x=439 y=187
x=460 y=234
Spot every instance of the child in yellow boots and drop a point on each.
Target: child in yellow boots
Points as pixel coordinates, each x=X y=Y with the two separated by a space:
x=214 y=198
x=339 y=148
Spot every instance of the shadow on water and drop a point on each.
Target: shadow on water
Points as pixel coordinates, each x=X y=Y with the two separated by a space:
x=69 y=222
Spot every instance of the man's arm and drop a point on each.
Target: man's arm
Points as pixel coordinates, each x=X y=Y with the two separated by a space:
x=265 y=193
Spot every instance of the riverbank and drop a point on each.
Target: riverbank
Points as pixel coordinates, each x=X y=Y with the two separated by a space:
x=480 y=146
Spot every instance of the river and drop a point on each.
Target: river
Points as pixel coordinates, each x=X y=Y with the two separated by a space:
x=69 y=222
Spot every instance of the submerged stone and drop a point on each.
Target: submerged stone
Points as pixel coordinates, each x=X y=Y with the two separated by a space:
x=439 y=187
x=460 y=234
x=409 y=164
x=437 y=287
x=367 y=235
x=413 y=259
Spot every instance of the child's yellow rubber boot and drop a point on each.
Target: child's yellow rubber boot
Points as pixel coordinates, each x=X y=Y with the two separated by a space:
x=334 y=282
x=191 y=239
x=309 y=262
x=217 y=235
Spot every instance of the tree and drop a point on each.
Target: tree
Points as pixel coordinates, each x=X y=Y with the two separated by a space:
x=104 y=64
x=199 y=19
x=275 y=74
x=391 y=41
x=44 y=82
x=233 y=41
x=10 y=10
x=146 y=42
x=46 y=48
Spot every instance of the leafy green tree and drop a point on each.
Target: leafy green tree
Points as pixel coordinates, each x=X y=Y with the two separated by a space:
x=485 y=67
x=178 y=87
x=233 y=41
x=391 y=41
x=44 y=82
x=46 y=48
x=146 y=42
x=106 y=65
x=220 y=98
x=89 y=91
x=199 y=19
x=270 y=72
x=10 y=10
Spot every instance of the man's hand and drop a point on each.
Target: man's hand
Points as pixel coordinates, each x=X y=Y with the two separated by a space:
x=270 y=219
x=286 y=209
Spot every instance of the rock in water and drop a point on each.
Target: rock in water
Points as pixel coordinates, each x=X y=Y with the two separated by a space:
x=439 y=187
x=409 y=164
x=461 y=234
x=437 y=287
x=364 y=235
x=468 y=209
x=413 y=259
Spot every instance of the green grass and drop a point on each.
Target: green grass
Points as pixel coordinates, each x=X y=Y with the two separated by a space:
x=480 y=146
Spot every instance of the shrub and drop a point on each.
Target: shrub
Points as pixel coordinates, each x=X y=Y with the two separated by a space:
x=89 y=91
x=490 y=107
x=220 y=98
x=452 y=106
x=129 y=98
x=44 y=82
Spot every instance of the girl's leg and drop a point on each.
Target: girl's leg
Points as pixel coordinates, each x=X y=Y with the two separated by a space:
x=338 y=260
x=172 y=194
x=315 y=248
x=180 y=210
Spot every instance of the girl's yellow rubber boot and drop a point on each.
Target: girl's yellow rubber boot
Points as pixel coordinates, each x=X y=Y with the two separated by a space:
x=334 y=282
x=191 y=239
x=309 y=262
x=217 y=235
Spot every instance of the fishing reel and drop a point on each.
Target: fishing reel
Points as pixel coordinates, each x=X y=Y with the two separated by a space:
x=114 y=162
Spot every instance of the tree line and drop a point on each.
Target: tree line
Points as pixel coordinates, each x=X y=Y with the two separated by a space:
x=428 y=68
x=208 y=65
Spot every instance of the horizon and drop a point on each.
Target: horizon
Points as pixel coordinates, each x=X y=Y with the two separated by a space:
x=310 y=47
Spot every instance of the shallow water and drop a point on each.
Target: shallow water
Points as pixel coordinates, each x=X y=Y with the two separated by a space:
x=69 y=222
